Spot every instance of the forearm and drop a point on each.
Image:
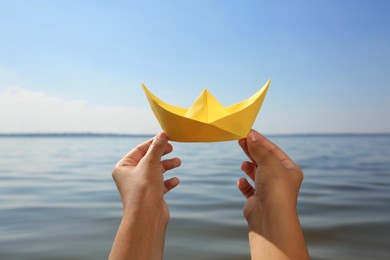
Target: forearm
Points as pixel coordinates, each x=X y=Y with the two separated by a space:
x=276 y=235
x=140 y=237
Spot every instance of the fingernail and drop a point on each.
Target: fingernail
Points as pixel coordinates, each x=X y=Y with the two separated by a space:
x=252 y=137
x=162 y=137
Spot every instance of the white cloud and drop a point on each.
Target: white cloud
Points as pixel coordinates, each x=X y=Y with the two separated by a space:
x=24 y=111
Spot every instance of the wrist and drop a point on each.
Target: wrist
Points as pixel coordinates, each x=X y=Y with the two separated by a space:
x=141 y=237
x=276 y=229
x=263 y=214
x=153 y=217
x=148 y=207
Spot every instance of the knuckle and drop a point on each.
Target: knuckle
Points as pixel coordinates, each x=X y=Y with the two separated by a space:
x=271 y=150
x=115 y=171
x=259 y=155
x=300 y=174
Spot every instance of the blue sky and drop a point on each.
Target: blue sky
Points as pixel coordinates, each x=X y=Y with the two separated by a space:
x=78 y=65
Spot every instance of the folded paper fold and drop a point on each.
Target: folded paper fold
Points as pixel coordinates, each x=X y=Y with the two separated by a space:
x=207 y=120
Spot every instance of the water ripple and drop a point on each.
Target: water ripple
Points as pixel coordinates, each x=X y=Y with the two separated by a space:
x=58 y=200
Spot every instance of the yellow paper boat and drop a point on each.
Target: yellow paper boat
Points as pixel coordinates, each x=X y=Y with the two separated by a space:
x=207 y=120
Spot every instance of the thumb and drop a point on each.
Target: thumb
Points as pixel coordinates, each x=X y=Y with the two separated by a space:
x=256 y=150
x=157 y=148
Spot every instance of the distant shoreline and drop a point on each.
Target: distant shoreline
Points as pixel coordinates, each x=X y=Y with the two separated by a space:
x=72 y=135
x=61 y=135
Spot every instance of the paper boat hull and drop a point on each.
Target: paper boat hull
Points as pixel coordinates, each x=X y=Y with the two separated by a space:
x=232 y=127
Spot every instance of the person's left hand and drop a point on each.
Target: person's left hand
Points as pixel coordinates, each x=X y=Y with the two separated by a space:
x=139 y=179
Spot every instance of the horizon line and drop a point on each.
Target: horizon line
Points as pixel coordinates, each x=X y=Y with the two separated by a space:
x=108 y=134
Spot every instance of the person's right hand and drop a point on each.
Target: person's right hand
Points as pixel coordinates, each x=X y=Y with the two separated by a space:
x=277 y=178
x=274 y=229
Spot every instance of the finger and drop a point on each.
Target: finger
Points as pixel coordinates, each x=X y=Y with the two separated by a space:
x=170 y=164
x=135 y=155
x=157 y=148
x=242 y=143
x=170 y=184
x=168 y=149
x=274 y=149
x=246 y=189
x=257 y=151
x=249 y=169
